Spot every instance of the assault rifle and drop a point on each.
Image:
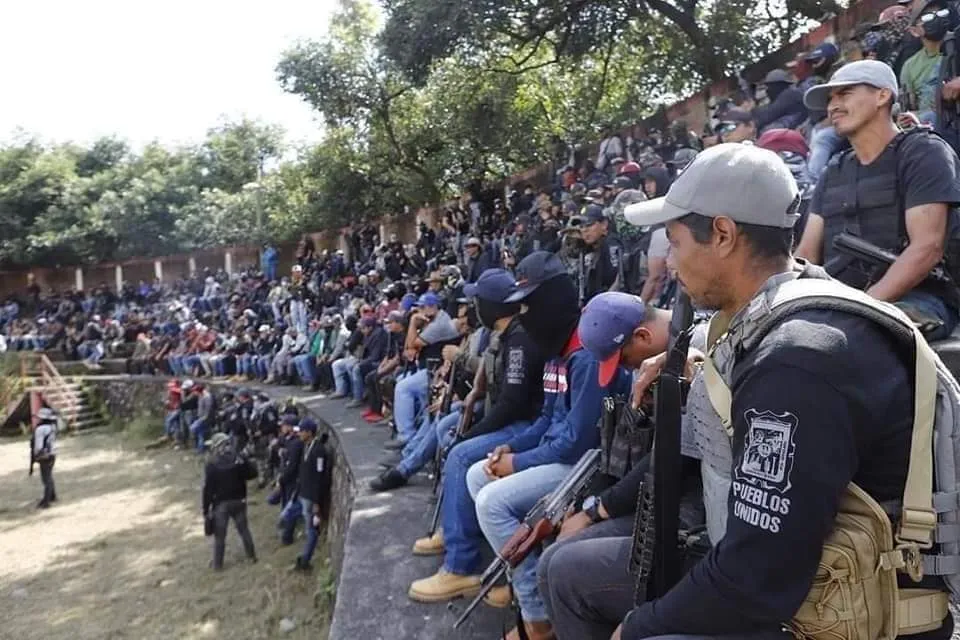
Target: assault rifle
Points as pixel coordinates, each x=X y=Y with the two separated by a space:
x=442 y=452
x=33 y=455
x=857 y=248
x=656 y=551
x=539 y=524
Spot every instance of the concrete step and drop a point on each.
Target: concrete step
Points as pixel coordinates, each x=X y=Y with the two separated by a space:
x=89 y=423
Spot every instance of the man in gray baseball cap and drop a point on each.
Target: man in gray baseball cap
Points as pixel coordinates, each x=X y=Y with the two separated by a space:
x=872 y=73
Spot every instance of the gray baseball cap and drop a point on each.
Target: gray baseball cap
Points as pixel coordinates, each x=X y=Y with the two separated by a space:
x=872 y=72
x=739 y=181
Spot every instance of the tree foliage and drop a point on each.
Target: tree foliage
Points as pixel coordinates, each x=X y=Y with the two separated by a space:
x=66 y=204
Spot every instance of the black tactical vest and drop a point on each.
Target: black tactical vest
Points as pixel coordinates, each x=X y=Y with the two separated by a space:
x=865 y=201
x=494 y=368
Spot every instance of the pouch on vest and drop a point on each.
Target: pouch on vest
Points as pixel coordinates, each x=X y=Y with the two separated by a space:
x=854 y=595
x=626 y=436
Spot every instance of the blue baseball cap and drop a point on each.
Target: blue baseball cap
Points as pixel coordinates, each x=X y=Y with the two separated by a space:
x=493 y=285
x=429 y=299
x=307 y=424
x=606 y=324
x=534 y=270
x=408 y=301
x=289 y=419
x=591 y=213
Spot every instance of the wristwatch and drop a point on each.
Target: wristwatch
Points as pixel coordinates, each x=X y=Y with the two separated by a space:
x=591 y=507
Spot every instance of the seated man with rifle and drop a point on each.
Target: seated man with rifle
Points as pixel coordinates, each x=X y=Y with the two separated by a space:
x=581 y=577
x=515 y=477
x=566 y=427
x=510 y=379
x=442 y=417
x=828 y=400
x=897 y=190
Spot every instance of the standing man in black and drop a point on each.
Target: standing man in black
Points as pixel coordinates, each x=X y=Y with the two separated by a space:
x=225 y=495
x=314 y=487
x=897 y=190
x=604 y=252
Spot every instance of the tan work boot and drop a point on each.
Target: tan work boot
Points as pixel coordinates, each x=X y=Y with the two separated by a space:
x=443 y=586
x=535 y=631
x=499 y=597
x=432 y=546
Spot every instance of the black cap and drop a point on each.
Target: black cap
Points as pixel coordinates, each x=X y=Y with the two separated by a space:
x=534 y=270
x=592 y=213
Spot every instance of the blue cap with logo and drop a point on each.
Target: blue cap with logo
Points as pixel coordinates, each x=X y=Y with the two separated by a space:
x=493 y=285
x=534 y=270
x=607 y=322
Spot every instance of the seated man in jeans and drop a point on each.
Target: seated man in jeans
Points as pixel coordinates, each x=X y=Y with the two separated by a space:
x=373 y=350
x=512 y=366
x=512 y=396
x=430 y=330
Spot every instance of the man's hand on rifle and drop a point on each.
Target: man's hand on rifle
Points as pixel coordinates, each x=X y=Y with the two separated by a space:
x=499 y=463
x=573 y=524
x=449 y=353
x=650 y=370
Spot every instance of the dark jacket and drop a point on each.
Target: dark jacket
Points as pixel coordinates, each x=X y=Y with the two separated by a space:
x=315 y=473
x=225 y=478
x=374 y=347
x=290 y=467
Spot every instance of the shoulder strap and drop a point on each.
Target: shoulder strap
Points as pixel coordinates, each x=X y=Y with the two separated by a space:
x=918 y=519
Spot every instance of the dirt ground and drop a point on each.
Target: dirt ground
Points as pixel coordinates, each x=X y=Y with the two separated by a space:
x=122 y=554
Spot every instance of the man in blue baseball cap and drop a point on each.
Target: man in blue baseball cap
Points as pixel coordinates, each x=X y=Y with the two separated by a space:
x=620 y=330
x=530 y=464
x=508 y=382
x=314 y=486
x=430 y=329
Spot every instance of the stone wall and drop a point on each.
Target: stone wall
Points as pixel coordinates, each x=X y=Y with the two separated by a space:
x=124 y=398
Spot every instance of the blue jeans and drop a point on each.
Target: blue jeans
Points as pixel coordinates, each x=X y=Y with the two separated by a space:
x=501 y=507
x=306 y=369
x=312 y=536
x=290 y=514
x=199 y=429
x=171 y=424
x=298 y=315
x=931 y=305
x=462 y=537
x=409 y=396
x=422 y=447
x=341 y=374
x=356 y=382
x=262 y=367
x=824 y=142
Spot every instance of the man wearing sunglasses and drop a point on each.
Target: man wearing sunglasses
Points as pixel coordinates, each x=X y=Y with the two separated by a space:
x=921 y=72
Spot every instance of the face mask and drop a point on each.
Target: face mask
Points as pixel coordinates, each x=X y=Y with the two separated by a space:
x=551 y=315
x=489 y=312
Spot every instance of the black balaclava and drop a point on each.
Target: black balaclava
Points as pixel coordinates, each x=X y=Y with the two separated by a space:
x=552 y=315
x=489 y=312
x=936 y=30
x=774 y=89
